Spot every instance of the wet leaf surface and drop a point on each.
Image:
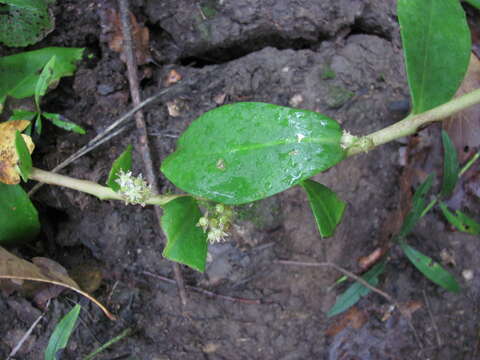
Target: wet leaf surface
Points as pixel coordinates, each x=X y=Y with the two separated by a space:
x=248 y=151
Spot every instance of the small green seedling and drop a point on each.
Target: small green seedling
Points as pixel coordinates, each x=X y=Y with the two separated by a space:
x=63 y=331
x=32 y=73
x=243 y=152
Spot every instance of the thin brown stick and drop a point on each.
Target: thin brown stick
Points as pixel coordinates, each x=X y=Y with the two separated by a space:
x=142 y=128
x=209 y=293
x=434 y=323
x=361 y=281
x=27 y=334
x=343 y=271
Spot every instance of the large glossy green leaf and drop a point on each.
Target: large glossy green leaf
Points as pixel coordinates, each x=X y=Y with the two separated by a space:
x=418 y=207
x=61 y=334
x=20 y=72
x=451 y=166
x=186 y=242
x=431 y=269
x=355 y=292
x=18 y=217
x=436 y=43
x=247 y=151
x=122 y=163
x=461 y=221
x=326 y=206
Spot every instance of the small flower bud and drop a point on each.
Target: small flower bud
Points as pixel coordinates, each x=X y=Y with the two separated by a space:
x=133 y=189
x=203 y=223
x=219 y=208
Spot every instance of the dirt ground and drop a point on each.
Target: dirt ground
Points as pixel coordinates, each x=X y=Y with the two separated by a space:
x=342 y=58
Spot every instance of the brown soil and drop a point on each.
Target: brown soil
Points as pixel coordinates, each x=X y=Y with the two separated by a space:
x=339 y=57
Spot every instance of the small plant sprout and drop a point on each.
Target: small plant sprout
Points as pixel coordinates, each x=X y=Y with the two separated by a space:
x=133 y=189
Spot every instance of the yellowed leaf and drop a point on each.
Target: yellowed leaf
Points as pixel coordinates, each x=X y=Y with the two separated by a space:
x=8 y=152
x=45 y=270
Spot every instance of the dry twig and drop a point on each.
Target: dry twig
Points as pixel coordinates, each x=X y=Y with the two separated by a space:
x=141 y=127
x=210 y=293
x=27 y=334
x=343 y=271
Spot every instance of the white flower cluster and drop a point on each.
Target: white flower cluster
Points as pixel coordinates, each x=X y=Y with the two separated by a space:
x=216 y=226
x=133 y=189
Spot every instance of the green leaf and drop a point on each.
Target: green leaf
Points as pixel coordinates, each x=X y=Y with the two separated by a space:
x=475 y=3
x=20 y=72
x=186 y=242
x=57 y=120
x=431 y=269
x=44 y=80
x=436 y=44
x=25 y=160
x=18 y=217
x=354 y=293
x=124 y=163
x=418 y=207
x=461 y=221
x=24 y=22
x=451 y=166
x=61 y=334
x=244 y=152
x=326 y=207
x=19 y=114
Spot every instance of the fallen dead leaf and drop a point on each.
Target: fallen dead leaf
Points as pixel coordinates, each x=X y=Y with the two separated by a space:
x=172 y=78
x=352 y=317
x=407 y=309
x=464 y=127
x=8 y=153
x=44 y=270
x=366 y=262
x=140 y=37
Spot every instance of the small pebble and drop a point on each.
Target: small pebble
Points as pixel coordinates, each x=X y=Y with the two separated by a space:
x=467 y=274
x=105 y=89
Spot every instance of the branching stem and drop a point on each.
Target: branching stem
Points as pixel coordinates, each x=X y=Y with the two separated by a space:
x=90 y=187
x=412 y=123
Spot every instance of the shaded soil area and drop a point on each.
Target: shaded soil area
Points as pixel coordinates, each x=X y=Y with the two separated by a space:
x=342 y=58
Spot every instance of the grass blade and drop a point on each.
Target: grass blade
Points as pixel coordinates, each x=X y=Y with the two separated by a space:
x=61 y=334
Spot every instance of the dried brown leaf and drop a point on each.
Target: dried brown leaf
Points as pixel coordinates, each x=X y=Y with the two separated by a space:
x=8 y=152
x=44 y=271
x=464 y=127
x=140 y=36
x=352 y=317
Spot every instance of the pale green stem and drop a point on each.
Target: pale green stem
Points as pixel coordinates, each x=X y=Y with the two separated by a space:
x=469 y=164
x=411 y=124
x=92 y=188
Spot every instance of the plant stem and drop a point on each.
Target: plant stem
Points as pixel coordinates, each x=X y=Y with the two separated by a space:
x=469 y=164
x=412 y=123
x=90 y=187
